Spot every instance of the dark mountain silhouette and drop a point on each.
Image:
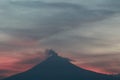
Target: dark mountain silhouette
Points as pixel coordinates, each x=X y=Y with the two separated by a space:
x=58 y=68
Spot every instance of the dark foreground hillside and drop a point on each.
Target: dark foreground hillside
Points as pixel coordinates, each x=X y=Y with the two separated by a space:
x=58 y=68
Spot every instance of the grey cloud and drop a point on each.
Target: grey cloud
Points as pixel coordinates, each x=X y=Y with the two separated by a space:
x=113 y=5
x=39 y=4
x=30 y=61
x=52 y=23
x=62 y=17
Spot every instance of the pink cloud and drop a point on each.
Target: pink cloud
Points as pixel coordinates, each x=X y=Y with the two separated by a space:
x=19 y=61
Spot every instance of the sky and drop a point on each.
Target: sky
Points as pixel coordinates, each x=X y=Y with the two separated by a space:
x=86 y=31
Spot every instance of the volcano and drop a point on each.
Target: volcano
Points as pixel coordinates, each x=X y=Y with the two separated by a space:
x=56 y=67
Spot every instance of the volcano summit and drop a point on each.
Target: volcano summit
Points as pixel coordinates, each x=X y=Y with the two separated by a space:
x=56 y=67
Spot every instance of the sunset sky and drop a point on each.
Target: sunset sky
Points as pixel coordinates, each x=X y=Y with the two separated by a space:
x=87 y=31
